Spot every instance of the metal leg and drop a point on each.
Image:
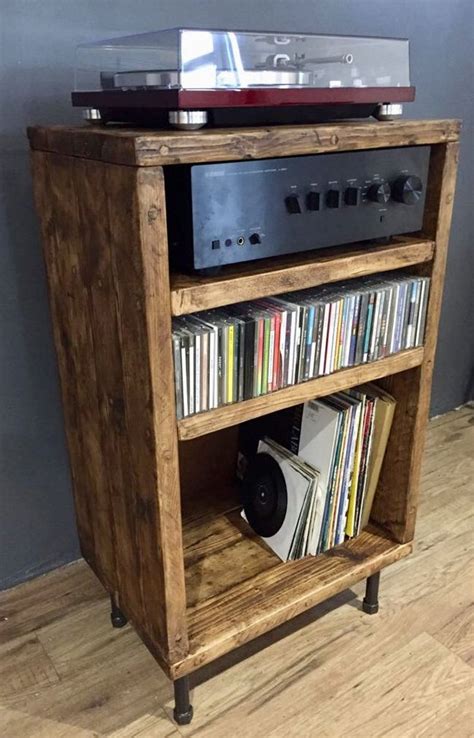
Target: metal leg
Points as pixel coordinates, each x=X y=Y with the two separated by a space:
x=116 y=615
x=370 y=603
x=183 y=710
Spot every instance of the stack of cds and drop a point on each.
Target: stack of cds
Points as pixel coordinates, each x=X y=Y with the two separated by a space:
x=330 y=455
x=242 y=351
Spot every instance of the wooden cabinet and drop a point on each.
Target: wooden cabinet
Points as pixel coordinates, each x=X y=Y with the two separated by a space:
x=155 y=497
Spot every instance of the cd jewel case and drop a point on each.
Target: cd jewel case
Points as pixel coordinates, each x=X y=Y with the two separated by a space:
x=183 y=75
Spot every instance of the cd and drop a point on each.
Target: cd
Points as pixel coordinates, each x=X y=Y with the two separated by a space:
x=265 y=498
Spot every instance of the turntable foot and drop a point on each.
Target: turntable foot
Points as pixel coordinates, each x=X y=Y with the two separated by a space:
x=92 y=115
x=183 y=710
x=187 y=120
x=370 y=603
x=116 y=615
x=388 y=111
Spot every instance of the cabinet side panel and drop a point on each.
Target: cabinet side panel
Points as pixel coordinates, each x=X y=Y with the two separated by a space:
x=58 y=208
x=104 y=254
x=396 y=500
x=95 y=251
x=136 y=219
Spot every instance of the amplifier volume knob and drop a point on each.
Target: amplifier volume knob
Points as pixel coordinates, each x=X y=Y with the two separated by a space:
x=407 y=189
x=293 y=204
x=380 y=193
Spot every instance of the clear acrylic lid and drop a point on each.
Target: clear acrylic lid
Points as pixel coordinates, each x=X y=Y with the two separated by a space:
x=183 y=58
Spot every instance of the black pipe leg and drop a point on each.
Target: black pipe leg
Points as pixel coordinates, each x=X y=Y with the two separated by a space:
x=183 y=709
x=116 y=615
x=370 y=603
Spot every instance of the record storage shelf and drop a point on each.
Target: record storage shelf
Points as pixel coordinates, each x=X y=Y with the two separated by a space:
x=155 y=498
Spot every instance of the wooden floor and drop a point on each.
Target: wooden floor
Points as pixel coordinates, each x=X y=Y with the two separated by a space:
x=404 y=673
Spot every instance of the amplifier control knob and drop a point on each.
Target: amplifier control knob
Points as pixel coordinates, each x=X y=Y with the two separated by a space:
x=293 y=204
x=333 y=198
x=380 y=193
x=407 y=189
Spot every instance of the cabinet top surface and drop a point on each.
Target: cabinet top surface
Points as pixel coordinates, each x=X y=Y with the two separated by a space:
x=142 y=147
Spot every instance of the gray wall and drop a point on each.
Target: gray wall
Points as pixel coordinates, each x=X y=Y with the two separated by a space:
x=36 y=74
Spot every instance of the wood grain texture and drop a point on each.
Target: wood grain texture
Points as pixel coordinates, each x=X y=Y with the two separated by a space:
x=252 y=280
x=104 y=229
x=153 y=148
x=227 y=619
x=207 y=474
x=395 y=505
x=63 y=244
x=105 y=683
x=164 y=468
x=222 y=417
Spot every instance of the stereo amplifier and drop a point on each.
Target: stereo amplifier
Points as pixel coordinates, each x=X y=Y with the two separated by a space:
x=233 y=212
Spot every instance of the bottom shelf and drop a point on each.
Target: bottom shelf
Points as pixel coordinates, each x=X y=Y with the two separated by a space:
x=238 y=589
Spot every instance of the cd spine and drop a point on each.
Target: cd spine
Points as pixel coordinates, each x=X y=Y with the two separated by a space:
x=227 y=355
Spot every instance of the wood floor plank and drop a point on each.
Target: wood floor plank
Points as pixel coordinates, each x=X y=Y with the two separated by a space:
x=108 y=678
x=47 y=599
x=17 y=724
x=405 y=673
x=396 y=697
x=458 y=633
x=25 y=667
x=148 y=726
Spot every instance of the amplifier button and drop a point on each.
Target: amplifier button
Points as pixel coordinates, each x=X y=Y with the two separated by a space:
x=313 y=199
x=352 y=196
x=333 y=198
x=293 y=205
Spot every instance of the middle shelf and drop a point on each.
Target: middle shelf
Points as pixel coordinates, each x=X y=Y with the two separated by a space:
x=228 y=415
x=252 y=280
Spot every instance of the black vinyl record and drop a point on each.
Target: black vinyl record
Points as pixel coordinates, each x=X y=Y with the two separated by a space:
x=264 y=495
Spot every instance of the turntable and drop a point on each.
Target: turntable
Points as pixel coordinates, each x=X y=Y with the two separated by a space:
x=188 y=78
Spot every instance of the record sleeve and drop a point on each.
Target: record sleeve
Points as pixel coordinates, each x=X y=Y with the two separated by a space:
x=264 y=498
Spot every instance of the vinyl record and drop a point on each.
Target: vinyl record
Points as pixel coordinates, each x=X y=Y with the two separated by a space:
x=264 y=494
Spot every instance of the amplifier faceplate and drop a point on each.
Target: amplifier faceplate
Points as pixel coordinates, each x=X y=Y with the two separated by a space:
x=232 y=212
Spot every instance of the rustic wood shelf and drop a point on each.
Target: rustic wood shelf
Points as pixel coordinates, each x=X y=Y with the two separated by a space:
x=156 y=499
x=144 y=148
x=249 y=281
x=238 y=589
x=222 y=417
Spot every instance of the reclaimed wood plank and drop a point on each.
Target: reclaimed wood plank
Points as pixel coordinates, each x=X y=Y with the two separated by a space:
x=163 y=147
x=57 y=201
x=242 y=612
x=395 y=504
x=106 y=248
x=252 y=280
x=222 y=417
